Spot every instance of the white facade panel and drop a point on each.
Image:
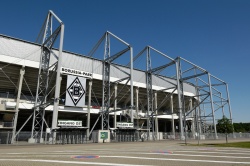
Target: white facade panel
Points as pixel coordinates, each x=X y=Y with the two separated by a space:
x=28 y=54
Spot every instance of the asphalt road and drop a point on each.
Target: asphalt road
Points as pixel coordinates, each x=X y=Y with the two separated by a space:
x=167 y=152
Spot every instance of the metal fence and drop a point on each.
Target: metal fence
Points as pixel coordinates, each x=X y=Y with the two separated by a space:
x=6 y=124
x=125 y=136
x=79 y=137
x=68 y=137
x=208 y=136
x=5 y=137
x=59 y=137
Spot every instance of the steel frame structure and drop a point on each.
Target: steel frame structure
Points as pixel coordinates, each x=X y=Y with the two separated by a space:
x=150 y=72
x=49 y=77
x=106 y=85
x=204 y=93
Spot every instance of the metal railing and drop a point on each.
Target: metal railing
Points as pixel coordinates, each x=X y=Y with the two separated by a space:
x=79 y=137
x=59 y=137
x=68 y=137
x=207 y=136
x=125 y=137
x=5 y=137
x=7 y=124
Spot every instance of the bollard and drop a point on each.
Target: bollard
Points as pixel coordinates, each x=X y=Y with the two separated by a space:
x=7 y=140
x=142 y=139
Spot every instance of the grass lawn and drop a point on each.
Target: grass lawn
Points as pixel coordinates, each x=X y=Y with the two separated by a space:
x=234 y=144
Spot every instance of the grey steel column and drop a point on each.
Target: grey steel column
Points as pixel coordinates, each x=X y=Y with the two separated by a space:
x=131 y=85
x=115 y=105
x=197 y=111
x=22 y=72
x=229 y=107
x=150 y=119
x=172 y=112
x=156 y=118
x=204 y=122
x=190 y=107
x=106 y=84
x=58 y=81
x=212 y=105
x=198 y=127
x=137 y=105
x=89 y=105
x=177 y=63
x=199 y=120
x=222 y=106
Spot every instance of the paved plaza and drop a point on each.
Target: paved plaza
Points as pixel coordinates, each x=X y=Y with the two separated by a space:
x=168 y=152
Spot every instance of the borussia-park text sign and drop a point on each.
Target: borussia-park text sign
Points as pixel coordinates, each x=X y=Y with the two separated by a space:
x=65 y=70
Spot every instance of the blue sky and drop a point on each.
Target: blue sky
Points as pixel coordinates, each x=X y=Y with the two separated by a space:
x=214 y=34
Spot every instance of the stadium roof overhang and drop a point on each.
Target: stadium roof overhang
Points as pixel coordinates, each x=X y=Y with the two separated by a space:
x=15 y=54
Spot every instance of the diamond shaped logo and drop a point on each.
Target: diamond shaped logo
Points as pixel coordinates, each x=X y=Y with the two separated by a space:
x=76 y=91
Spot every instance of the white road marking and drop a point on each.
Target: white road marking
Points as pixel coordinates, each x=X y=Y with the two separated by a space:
x=234 y=150
x=13 y=153
x=185 y=160
x=190 y=150
x=221 y=150
x=211 y=152
x=71 y=162
x=12 y=156
x=197 y=155
x=200 y=154
x=170 y=154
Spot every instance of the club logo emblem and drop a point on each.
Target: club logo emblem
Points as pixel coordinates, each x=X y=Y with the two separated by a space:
x=76 y=91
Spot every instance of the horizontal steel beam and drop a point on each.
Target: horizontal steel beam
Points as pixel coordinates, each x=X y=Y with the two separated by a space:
x=117 y=55
x=204 y=86
x=118 y=38
x=193 y=76
x=161 y=67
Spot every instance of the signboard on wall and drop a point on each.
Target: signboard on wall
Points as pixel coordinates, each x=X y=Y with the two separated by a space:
x=104 y=135
x=69 y=123
x=75 y=92
x=65 y=70
x=124 y=125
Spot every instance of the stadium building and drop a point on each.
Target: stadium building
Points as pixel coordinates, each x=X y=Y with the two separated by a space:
x=51 y=95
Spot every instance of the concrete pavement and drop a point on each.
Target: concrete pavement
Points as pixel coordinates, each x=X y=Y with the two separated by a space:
x=167 y=152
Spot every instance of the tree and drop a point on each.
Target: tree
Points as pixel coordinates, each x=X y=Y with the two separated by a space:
x=242 y=127
x=225 y=126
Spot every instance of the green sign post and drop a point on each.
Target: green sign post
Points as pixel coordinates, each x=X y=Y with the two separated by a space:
x=104 y=135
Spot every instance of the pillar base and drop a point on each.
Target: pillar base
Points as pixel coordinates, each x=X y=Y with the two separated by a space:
x=41 y=140
x=50 y=140
x=31 y=140
x=171 y=137
x=182 y=137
